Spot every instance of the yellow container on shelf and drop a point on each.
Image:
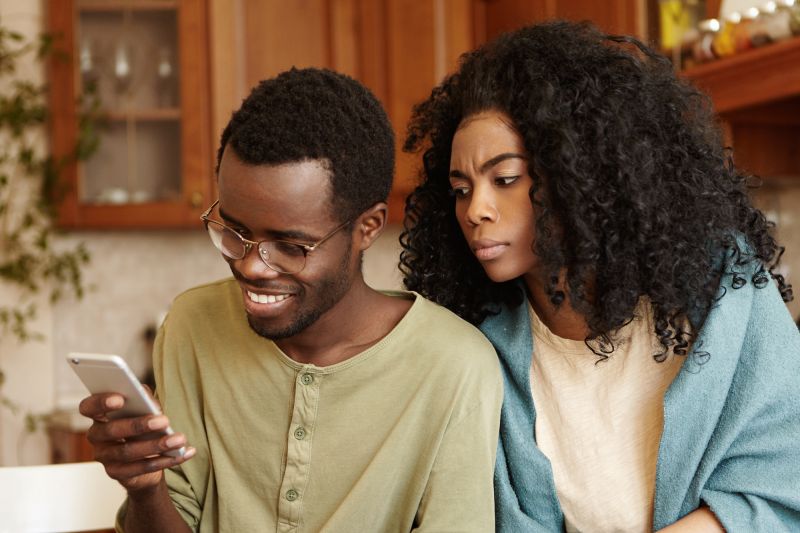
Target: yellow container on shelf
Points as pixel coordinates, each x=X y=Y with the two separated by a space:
x=724 y=43
x=676 y=19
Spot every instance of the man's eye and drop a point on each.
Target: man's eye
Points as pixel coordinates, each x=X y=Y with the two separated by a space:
x=244 y=232
x=505 y=180
x=288 y=248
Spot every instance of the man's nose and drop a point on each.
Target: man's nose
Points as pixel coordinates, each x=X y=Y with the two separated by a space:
x=252 y=266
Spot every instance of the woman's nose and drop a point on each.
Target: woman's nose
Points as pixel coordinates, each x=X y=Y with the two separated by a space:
x=481 y=208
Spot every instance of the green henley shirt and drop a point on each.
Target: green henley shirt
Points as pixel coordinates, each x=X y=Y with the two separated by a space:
x=401 y=437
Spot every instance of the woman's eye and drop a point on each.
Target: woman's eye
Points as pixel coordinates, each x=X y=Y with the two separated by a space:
x=505 y=180
x=459 y=192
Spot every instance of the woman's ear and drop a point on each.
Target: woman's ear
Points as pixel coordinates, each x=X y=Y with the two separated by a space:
x=370 y=224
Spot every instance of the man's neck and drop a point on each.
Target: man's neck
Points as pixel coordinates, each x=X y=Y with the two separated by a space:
x=357 y=321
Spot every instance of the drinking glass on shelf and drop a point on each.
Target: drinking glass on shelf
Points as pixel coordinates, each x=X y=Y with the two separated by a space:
x=123 y=69
x=88 y=62
x=165 y=78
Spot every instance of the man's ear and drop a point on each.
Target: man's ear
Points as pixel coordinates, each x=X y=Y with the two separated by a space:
x=370 y=225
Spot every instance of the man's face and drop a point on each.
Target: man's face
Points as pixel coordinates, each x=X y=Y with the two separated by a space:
x=291 y=201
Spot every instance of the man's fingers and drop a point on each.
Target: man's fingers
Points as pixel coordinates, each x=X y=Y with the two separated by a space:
x=130 y=451
x=125 y=428
x=125 y=473
x=97 y=406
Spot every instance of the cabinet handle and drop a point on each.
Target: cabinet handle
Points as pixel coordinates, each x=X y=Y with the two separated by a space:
x=196 y=200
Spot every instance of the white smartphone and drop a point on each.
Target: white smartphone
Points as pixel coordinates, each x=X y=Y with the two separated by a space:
x=102 y=373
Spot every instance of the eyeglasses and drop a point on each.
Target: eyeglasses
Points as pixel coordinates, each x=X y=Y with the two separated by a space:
x=282 y=256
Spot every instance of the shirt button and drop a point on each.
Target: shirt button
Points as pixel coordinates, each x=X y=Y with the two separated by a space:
x=300 y=433
x=291 y=495
x=307 y=379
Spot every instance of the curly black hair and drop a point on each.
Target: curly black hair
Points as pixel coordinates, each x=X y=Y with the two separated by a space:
x=637 y=195
x=318 y=114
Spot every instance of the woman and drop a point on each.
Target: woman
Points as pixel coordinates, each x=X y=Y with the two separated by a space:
x=578 y=206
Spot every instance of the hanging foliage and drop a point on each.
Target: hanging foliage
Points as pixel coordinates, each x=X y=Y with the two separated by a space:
x=30 y=189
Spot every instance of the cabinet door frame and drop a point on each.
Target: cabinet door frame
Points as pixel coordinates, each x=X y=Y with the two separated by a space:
x=197 y=160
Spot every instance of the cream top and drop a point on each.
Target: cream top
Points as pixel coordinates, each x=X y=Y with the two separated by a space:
x=599 y=423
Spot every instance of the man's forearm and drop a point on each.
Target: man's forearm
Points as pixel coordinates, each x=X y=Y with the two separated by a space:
x=152 y=511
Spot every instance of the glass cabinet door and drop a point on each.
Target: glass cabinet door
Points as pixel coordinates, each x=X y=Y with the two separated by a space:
x=144 y=62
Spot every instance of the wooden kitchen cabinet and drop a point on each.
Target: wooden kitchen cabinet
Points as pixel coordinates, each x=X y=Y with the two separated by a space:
x=69 y=445
x=155 y=165
x=613 y=16
x=148 y=61
x=399 y=49
x=757 y=97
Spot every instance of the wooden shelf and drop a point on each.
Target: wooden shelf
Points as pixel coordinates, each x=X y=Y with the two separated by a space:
x=757 y=97
x=753 y=78
x=145 y=115
x=129 y=5
x=147 y=215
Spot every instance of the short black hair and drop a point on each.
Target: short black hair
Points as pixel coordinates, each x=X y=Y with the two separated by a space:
x=634 y=193
x=323 y=115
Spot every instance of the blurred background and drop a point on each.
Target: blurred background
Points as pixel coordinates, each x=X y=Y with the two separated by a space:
x=144 y=87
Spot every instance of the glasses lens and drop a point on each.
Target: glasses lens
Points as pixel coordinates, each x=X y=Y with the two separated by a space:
x=284 y=257
x=227 y=241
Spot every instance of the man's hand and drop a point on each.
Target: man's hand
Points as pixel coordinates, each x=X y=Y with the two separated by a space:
x=130 y=448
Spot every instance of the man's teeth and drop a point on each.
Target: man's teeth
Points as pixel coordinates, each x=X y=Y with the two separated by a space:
x=266 y=298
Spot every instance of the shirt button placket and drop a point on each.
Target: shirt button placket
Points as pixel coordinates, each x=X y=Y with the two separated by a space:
x=298 y=457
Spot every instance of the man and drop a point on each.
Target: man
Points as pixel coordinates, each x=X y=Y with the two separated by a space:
x=311 y=402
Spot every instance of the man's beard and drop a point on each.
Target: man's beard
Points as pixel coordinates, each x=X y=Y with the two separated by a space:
x=328 y=290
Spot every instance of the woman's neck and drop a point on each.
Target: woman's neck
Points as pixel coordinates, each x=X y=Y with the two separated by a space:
x=563 y=321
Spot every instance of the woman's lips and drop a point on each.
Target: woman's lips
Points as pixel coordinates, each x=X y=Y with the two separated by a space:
x=486 y=249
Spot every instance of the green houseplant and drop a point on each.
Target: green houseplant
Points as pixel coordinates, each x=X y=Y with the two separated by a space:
x=31 y=264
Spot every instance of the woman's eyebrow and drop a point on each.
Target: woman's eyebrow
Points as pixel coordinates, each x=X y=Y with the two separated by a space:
x=499 y=159
x=496 y=160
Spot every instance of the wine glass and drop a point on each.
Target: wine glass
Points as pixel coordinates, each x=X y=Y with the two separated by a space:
x=165 y=78
x=123 y=68
x=88 y=64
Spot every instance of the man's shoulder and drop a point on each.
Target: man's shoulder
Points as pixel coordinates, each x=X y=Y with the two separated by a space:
x=207 y=291
x=451 y=338
x=207 y=299
x=430 y=316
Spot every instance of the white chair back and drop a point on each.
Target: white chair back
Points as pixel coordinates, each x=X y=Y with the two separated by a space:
x=62 y=497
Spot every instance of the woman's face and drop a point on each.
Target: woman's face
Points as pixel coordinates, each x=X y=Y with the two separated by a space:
x=490 y=181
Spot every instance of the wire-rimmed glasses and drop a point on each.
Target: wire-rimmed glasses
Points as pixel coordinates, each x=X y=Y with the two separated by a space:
x=286 y=257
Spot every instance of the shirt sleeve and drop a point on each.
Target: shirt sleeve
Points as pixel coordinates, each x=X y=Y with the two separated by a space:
x=179 y=488
x=459 y=495
x=183 y=497
x=756 y=485
x=178 y=484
